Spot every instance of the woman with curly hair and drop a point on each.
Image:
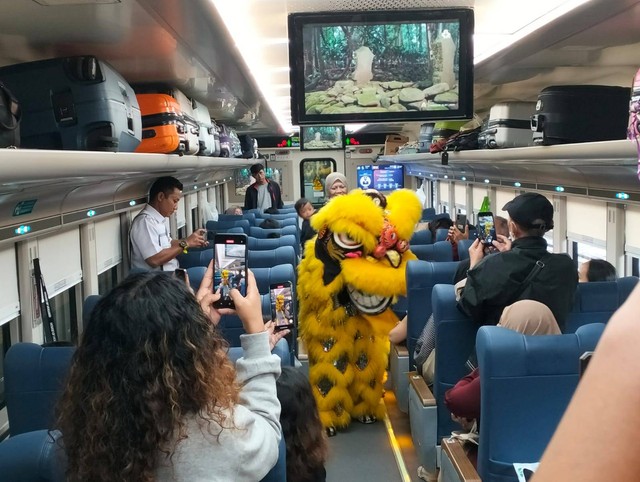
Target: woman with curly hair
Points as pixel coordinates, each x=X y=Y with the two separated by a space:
x=301 y=427
x=152 y=395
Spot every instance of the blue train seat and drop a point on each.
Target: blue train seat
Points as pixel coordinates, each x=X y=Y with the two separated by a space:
x=441 y=234
x=251 y=217
x=438 y=251
x=526 y=384
x=34 y=379
x=279 y=217
x=421 y=277
x=596 y=301
x=230 y=217
x=205 y=257
x=421 y=237
x=32 y=457
x=196 y=273
x=257 y=232
x=455 y=336
x=267 y=259
x=88 y=305
x=191 y=258
x=428 y=214
x=275 y=274
x=463 y=248
x=260 y=244
x=221 y=226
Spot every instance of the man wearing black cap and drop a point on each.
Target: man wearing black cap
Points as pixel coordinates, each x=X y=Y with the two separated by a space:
x=523 y=269
x=262 y=194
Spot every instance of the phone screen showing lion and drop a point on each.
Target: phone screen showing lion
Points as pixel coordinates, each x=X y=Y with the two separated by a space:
x=281 y=305
x=230 y=267
x=486 y=228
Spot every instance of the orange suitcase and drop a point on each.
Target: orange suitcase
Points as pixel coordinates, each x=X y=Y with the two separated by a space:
x=163 y=126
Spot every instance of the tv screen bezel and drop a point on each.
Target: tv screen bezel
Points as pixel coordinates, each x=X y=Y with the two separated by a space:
x=297 y=21
x=380 y=167
x=305 y=148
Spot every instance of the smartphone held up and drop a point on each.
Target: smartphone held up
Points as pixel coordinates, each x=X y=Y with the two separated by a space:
x=486 y=228
x=282 y=309
x=229 y=267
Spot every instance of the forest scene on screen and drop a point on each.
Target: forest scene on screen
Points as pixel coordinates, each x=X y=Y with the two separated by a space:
x=381 y=68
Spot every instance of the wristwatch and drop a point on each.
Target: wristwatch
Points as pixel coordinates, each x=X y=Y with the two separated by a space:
x=184 y=245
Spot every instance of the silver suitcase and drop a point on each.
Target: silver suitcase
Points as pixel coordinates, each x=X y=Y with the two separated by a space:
x=508 y=125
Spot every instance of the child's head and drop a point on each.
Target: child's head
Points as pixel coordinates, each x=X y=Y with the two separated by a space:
x=301 y=427
x=304 y=208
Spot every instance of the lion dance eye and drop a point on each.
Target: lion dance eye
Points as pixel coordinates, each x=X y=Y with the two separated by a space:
x=344 y=241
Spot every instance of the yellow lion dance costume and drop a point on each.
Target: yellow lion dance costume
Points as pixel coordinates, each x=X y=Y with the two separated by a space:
x=351 y=273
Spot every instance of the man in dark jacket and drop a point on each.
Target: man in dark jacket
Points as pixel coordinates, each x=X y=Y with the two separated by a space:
x=262 y=194
x=523 y=269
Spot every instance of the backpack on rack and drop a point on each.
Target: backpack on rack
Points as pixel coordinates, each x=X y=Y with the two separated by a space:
x=247 y=144
x=9 y=118
x=633 y=126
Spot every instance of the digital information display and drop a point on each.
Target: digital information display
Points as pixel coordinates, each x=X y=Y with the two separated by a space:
x=381 y=177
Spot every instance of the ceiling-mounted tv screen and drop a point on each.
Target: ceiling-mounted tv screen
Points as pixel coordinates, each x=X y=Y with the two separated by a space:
x=381 y=66
x=321 y=138
x=381 y=177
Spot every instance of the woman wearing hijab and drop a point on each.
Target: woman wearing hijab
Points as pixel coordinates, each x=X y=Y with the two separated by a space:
x=335 y=185
x=527 y=317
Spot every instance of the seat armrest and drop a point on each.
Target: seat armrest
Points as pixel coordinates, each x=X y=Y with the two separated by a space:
x=302 y=350
x=421 y=388
x=401 y=350
x=464 y=468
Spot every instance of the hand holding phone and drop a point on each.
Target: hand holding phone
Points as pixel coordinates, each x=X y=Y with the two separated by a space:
x=230 y=267
x=461 y=222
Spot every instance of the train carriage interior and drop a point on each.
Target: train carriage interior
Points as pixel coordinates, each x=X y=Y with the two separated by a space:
x=69 y=194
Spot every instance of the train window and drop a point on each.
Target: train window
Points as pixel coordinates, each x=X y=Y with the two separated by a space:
x=583 y=251
x=548 y=236
x=460 y=194
x=194 y=218
x=444 y=196
x=313 y=173
x=107 y=280
x=635 y=265
x=65 y=314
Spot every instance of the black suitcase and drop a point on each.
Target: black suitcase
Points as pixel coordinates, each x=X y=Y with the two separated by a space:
x=77 y=103
x=580 y=113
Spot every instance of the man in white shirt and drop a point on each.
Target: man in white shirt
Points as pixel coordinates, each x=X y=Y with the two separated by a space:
x=151 y=243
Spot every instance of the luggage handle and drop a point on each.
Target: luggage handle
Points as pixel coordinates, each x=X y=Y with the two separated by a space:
x=14 y=108
x=537 y=122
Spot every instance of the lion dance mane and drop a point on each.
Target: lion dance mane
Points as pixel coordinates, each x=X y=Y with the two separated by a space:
x=351 y=274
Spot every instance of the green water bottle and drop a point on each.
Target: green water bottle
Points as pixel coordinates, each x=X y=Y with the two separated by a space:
x=486 y=205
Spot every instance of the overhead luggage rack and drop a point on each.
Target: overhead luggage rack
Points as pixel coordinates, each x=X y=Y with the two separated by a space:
x=575 y=169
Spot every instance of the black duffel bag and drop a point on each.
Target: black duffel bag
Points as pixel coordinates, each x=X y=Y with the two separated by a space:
x=9 y=118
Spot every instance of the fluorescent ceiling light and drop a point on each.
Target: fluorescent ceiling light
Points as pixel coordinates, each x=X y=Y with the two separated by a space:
x=255 y=43
x=501 y=23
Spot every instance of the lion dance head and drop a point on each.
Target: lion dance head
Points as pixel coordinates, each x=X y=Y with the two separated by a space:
x=357 y=264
